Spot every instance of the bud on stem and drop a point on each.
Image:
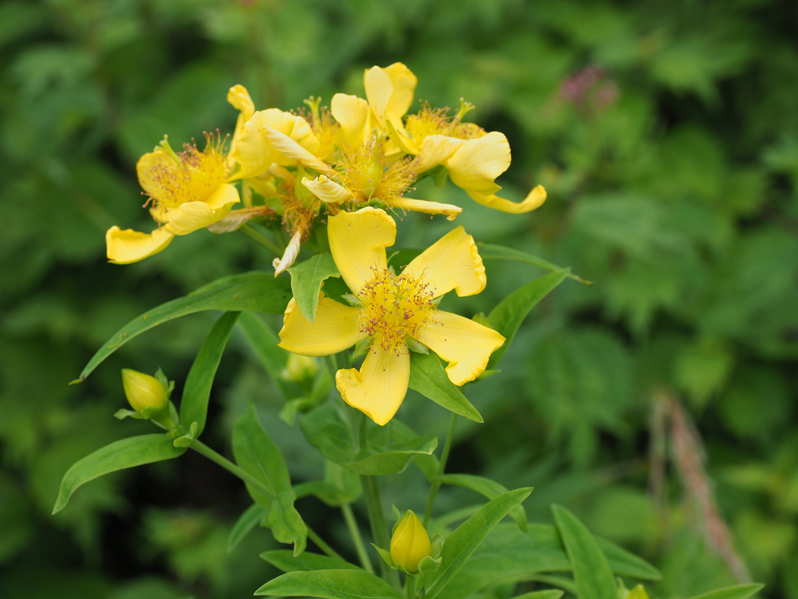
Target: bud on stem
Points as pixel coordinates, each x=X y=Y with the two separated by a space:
x=410 y=543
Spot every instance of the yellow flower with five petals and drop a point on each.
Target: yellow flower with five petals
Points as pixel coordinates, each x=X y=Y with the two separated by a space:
x=392 y=308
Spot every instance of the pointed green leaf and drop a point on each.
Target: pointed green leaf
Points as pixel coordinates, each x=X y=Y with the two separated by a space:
x=428 y=377
x=307 y=562
x=741 y=591
x=392 y=459
x=264 y=342
x=306 y=280
x=255 y=453
x=487 y=487
x=127 y=453
x=593 y=575
x=257 y=291
x=627 y=564
x=244 y=525
x=197 y=392
x=462 y=543
x=547 y=594
x=489 y=251
x=328 y=431
x=511 y=311
x=330 y=584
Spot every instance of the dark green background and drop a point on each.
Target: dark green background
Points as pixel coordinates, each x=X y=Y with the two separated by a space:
x=679 y=199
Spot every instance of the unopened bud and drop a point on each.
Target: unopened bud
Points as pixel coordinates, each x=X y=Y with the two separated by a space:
x=143 y=391
x=300 y=368
x=410 y=543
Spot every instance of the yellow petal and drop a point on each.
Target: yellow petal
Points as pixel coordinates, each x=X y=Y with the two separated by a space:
x=378 y=92
x=533 y=200
x=400 y=136
x=152 y=169
x=435 y=150
x=289 y=152
x=334 y=329
x=404 y=87
x=192 y=216
x=452 y=262
x=327 y=190
x=239 y=97
x=251 y=150
x=351 y=113
x=465 y=344
x=358 y=241
x=125 y=247
x=236 y=219
x=450 y=210
x=381 y=385
x=289 y=255
x=476 y=164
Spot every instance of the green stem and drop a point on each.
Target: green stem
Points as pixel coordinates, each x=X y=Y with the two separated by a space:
x=433 y=492
x=258 y=238
x=379 y=529
x=322 y=545
x=222 y=461
x=351 y=523
x=410 y=586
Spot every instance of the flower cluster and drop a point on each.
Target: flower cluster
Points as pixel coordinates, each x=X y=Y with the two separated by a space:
x=349 y=165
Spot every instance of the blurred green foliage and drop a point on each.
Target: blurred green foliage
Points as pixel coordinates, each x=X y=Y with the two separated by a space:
x=666 y=133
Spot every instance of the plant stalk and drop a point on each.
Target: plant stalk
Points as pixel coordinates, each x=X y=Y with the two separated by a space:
x=260 y=239
x=351 y=524
x=433 y=492
x=410 y=586
x=379 y=529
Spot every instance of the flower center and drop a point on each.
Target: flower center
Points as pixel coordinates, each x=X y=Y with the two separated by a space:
x=395 y=307
x=369 y=175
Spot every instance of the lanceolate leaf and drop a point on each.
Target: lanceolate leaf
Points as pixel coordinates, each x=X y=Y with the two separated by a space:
x=548 y=594
x=257 y=291
x=742 y=591
x=244 y=525
x=307 y=562
x=487 y=487
x=258 y=456
x=197 y=392
x=127 y=453
x=511 y=311
x=392 y=459
x=594 y=579
x=462 y=543
x=264 y=344
x=330 y=584
x=428 y=377
x=306 y=280
x=489 y=251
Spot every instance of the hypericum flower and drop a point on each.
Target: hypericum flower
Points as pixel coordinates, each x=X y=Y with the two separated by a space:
x=143 y=391
x=187 y=191
x=390 y=308
x=410 y=543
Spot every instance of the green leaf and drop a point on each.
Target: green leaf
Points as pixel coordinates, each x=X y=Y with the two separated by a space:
x=328 y=431
x=330 y=584
x=462 y=543
x=306 y=280
x=593 y=575
x=489 y=251
x=740 y=591
x=127 y=453
x=392 y=459
x=511 y=311
x=257 y=291
x=259 y=456
x=264 y=342
x=286 y=561
x=197 y=392
x=244 y=525
x=428 y=377
x=487 y=487
x=547 y=594
x=624 y=563
x=340 y=486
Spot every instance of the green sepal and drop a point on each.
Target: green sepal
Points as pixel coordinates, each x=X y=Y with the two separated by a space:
x=122 y=414
x=398 y=515
x=428 y=566
x=439 y=174
x=185 y=440
x=386 y=556
x=352 y=300
x=416 y=346
x=167 y=384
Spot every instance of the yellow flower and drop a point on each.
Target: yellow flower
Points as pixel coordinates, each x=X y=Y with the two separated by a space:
x=188 y=191
x=473 y=165
x=409 y=543
x=391 y=308
x=143 y=391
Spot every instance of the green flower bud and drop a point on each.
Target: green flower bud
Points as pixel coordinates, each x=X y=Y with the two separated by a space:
x=300 y=368
x=410 y=543
x=143 y=391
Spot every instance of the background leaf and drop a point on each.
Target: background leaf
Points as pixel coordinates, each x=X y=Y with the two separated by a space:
x=307 y=279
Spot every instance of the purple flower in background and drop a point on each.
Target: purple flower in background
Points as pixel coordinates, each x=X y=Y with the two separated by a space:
x=590 y=90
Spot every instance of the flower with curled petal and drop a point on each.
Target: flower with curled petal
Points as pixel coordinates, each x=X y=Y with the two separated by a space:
x=392 y=308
